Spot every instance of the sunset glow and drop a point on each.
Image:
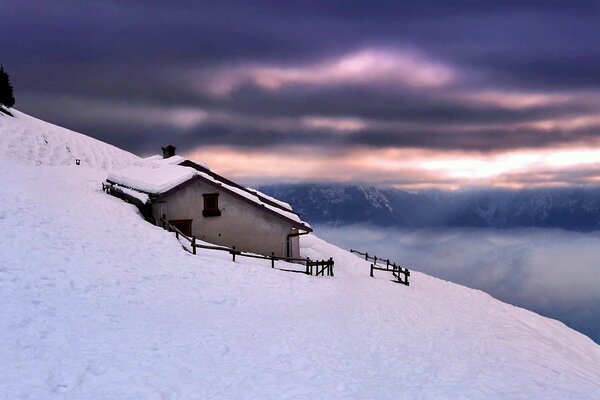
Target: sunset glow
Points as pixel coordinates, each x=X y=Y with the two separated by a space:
x=400 y=94
x=406 y=168
x=403 y=67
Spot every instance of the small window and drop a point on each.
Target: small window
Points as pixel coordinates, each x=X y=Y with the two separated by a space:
x=211 y=205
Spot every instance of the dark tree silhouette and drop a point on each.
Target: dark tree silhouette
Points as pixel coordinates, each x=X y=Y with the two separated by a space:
x=6 y=91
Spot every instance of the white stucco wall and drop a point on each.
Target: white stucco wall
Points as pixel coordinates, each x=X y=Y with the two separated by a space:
x=240 y=224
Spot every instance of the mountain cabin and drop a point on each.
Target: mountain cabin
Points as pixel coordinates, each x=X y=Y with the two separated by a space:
x=209 y=206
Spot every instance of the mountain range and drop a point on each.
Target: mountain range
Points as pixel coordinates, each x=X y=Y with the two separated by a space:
x=575 y=209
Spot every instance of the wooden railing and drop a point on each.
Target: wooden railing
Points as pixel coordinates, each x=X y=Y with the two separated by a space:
x=318 y=267
x=400 y=273
x=326 y=267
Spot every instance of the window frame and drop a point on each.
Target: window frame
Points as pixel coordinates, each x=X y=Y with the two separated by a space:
x=213 y=211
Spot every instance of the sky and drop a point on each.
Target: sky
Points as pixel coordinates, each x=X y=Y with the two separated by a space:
x=408 y=94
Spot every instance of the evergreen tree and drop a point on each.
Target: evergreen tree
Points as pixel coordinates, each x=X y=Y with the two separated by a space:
x=6 y=91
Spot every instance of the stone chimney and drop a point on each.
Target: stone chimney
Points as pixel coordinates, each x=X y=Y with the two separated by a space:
x=168 y=150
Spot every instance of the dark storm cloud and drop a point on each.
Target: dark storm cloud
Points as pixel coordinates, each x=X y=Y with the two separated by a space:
x=252 y=121
x=174 y=32
x=482 y=140
x=562 y=71
x=377 y=103
x=146 y=138
x=384 y=104
x=144 y=53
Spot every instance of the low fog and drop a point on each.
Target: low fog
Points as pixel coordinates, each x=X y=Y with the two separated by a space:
x=552 y=272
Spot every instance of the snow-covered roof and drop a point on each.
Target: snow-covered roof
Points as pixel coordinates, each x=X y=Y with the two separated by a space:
x=174 y=160
x=156 y=176
x=281 y=204
x=152 y=177
x=141 y=196
x=289 y=214
x=203 y=168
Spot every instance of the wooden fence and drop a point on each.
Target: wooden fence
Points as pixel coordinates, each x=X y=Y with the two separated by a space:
x=400 y=273
x=326 y=267
x=311 y=267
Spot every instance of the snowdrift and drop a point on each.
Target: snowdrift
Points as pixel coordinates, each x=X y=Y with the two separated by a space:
x=99 y=304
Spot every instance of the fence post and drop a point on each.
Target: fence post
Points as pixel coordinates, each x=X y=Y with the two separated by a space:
x=366 y=255
x=387 y=264
x=331 y=266
x=308 y=267
x=233 y=253
x=372 y=271
x=272 y=260
x=194 y=245
x=374 y=259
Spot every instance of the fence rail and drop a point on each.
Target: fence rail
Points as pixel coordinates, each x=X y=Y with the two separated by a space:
x=400 y=273
x=319 y=267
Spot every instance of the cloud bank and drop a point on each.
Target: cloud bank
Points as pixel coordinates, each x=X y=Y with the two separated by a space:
x=478 y=87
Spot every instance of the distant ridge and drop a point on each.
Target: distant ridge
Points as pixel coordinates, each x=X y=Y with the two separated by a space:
x=576 y=209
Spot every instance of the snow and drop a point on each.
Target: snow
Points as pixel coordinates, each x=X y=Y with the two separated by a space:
x=152 y=177
x=143 y=197
x=280 y=203
x=29 y=140
x=200 y=163
x=99 y=304
x=173 y=160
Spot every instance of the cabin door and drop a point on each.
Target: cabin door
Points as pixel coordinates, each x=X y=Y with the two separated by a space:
x=184 y=225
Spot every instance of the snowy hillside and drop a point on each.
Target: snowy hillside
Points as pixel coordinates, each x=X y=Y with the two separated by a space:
x=29 y=140
x=99 y=304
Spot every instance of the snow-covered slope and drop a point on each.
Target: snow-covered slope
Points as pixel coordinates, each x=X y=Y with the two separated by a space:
x=29 y=140
x=98 y=304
